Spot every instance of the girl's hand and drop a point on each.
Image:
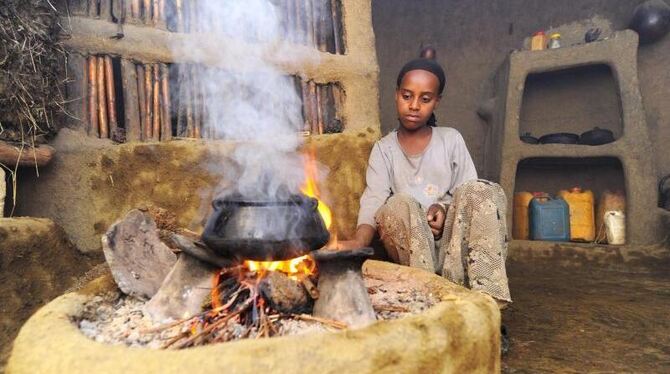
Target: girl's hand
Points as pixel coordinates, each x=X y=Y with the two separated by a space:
x=436 y=216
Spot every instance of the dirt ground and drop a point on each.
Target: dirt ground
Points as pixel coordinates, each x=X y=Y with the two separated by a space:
x=584 y=319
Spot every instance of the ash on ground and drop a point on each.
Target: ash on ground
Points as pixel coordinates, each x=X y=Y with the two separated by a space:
x=392 y=300
x=118 y=319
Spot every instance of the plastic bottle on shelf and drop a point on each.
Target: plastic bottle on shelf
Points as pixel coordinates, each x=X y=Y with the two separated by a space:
x=608 y=201
x=520 y=226
x=582 y=224
x=538 y=41
x=615 y=227
x=554 y=41
x=549 y=219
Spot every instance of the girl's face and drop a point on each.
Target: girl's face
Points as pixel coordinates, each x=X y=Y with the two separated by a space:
x=416 y=98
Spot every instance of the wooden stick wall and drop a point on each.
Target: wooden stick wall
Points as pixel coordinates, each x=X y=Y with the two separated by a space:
x=314 y=23
x=146 y=102
x=128 y=100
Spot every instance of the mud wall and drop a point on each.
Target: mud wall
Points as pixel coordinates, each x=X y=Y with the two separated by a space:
x=474 y=37
x=92 y=182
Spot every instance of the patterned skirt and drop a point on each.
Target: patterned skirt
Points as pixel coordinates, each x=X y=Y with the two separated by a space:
x=473 y=246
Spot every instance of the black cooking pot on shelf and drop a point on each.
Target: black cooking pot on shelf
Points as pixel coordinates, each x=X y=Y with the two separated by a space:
x=265 y=229
x=651 y=20
x=597 y=136
x=528 y=138
x=559 y=138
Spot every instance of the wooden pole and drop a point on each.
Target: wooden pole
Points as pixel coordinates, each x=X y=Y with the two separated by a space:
x=166 y=115
x=300 y=28
x=309 y=23
x=197 y=102
x=111 y=94
x=93 y=8
x=148 y=87
x=190 y=126
x=335 y=14
x=142 y=100
x=179 y=11
x=135 y=9
x=314 y=108
x=155 y=10
x=147 y=11
x=12 y=155
x=319 y=108
x=131 y=101
x=93 y=97
x=289 y=8
x=306 y=108
x=157 y=103
x=102 y=99
x=106 y=9
x=181 y=101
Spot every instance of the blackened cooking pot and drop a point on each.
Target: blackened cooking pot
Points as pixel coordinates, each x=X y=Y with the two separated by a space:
x=559 y=138
x=597 y=136
x=264 y=229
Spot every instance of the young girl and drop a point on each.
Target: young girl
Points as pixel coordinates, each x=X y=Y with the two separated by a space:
x=423 y=196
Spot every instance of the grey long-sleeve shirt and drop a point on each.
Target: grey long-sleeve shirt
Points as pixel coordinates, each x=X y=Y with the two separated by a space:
x=429 y=177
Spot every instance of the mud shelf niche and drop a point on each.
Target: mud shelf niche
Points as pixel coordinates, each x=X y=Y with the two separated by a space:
x=551 y=174
x=592 y=64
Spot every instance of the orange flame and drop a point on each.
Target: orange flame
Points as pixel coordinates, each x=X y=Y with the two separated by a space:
x=311 y=189
x=296 y=268
x=299 y=267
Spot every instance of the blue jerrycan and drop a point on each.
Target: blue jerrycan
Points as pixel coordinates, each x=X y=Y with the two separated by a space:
x=549 y=219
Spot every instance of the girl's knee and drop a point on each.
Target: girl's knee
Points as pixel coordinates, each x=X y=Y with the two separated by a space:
x=481 y=188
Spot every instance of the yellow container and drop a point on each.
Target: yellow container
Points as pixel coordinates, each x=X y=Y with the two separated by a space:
x=582 y=224
x=608 y=201
x=520 y=228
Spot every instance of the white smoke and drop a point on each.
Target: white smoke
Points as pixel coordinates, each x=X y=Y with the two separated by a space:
x=257 y=106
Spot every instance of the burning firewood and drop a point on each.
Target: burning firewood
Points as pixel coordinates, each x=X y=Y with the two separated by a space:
x=183 y=289
x=284 y=294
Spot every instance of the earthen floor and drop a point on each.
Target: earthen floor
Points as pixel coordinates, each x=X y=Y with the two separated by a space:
x=583 y=320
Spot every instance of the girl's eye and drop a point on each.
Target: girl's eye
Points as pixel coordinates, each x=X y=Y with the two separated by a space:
x=406 y=96
x=426 y=99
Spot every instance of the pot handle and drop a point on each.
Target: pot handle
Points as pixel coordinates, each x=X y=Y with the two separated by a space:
x=312 y=203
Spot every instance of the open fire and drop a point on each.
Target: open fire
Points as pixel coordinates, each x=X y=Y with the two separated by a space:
x=254 y=296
